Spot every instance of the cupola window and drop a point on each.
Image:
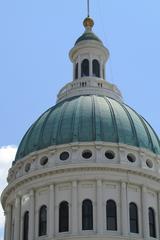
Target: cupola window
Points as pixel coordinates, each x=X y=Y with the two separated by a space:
x=87 y=215
x=111 y=213
x=43 y=221
x=85 y=68
x=25 y=225
x=152 y=226
x=64 y=217
x=96 y=68
x=76 y=71
x=133 y=215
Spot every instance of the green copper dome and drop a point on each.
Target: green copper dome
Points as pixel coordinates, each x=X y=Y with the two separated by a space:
x=88 y=36
x=87 y=119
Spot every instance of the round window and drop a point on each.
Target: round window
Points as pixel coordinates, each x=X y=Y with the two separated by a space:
x=131 y=157
x=149 y=163
x=27 y=167
x=64 y=156
x=87 y=154
x=44 y=161
x=109 y=154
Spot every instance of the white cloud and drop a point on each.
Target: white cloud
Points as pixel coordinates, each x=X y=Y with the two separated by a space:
x=7 y=154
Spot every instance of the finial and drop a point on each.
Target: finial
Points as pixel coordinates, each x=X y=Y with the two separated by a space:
x=88 y=8
x=88 y=22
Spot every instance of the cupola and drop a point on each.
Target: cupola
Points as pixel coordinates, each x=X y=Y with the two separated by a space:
x=89 y=57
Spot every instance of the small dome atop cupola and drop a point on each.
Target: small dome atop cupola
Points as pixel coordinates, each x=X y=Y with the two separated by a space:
x=88 y=23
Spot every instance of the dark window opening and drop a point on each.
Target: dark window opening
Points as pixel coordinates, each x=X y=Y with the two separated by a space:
x=76 y=71
x=64 y=156
x=63 y=217
x=152 y=225
x=133 y=215
x=87 y=154
x=43 y=221
x=25 y=225
x=96 y=68
x=111 y=213
x=85 y=68
x=87 y=215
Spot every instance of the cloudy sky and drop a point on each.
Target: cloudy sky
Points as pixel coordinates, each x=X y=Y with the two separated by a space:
x=36 y=36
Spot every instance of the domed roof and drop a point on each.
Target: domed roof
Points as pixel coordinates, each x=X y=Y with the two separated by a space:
x=88 y=36
x=86 y=119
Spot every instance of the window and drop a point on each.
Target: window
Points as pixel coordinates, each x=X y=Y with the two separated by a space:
x=85 y=68
x=76 y=71
x=87 y=154
x=133 y=215
x=25 y=225
x=87 y=215
x=111 y=213
x=63 y=217
x=96 y=68
x=43 y=221
x=64 y=156
x=152 y=226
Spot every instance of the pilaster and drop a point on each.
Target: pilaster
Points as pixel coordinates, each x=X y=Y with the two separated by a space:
x=124 y=211
x=32 y=216
x=74 y=220
x=99 y=208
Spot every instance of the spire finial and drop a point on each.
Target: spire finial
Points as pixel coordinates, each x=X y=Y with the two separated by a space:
x=88 y=22
x=88 y=8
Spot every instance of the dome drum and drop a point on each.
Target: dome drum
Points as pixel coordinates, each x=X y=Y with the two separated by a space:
x=75 y=184
x=72 y=155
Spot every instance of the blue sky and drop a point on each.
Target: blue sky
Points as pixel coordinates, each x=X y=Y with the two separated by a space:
x=36 y=36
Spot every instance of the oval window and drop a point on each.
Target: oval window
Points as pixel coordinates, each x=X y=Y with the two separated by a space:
x=87 y=154
x=27 y=167
x=64 y=156
x=110 y=154
x=149 y=163
x=44 y=161
x=131 y=158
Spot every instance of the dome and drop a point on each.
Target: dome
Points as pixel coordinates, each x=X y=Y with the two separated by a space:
x=87 y=119
x=88 y=36
x=88 y=23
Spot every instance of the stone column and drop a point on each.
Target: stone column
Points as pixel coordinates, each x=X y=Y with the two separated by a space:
x=51 y=211
x=145 y=221
x=17 y=218
x=90 y=66
x=74 y=217
x=101 y=69
x=99 y=208
x=8 y=223
x=79 y=67
x=32 y=216
x=124 y=209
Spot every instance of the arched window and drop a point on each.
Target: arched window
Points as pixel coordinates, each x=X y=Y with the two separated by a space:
x=152 y=225
x=76 y=71
x=87 y=215
x=111 y=214
x=85 y=68
x=63 y=217
x=96 y=68
x=25 y=225
x=133 y=216
x=43 y=221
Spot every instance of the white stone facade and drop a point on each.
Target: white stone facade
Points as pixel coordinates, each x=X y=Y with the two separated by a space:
x=75 y=179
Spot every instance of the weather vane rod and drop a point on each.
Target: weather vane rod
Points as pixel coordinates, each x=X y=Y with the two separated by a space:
x=88 y=7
